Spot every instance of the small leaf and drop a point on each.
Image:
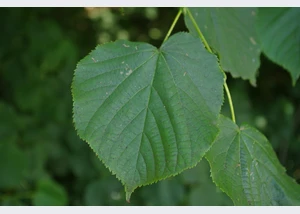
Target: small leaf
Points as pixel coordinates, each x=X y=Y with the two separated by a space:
x=279 y=34
x=50 y=193
x=148 y=113
x=13 y=161
x=13 y=165
x=245 y=167
x=231 y=33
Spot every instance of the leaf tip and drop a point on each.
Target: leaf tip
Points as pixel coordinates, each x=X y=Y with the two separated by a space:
x=128 y=195
x=294 y=80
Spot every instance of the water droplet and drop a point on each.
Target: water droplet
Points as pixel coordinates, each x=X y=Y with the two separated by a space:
x=115 y=196
x=252 y=40
x=129 y=72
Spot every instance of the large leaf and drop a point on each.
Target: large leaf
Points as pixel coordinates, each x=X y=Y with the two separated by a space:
x=148 y=113
x=244 y=165
x=231 y=33
x=279 y=34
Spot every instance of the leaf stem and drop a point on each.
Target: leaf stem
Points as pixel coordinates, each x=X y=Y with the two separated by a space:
x=198 y=30
x=173 y=24
x=209 y=49
x=230 y=101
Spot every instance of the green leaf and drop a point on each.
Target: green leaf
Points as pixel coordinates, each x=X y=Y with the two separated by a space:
x=13 y=161
x=148 y=113
x=8 y=124
x=50 y=193
x=13 y=165
x=279 y=34
x=244 y=165
x=231 y=33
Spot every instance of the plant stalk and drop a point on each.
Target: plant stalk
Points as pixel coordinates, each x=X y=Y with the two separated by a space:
x=230 y=101
x=209 y=50
x=173 y=24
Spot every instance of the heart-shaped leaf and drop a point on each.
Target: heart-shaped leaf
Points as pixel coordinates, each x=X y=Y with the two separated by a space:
x=244 y=165
x=148 y=113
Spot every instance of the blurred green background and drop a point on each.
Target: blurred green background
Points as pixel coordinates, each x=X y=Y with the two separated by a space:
x=43 y=161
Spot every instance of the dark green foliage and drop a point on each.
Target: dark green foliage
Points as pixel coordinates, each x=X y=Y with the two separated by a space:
x=43 y=161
